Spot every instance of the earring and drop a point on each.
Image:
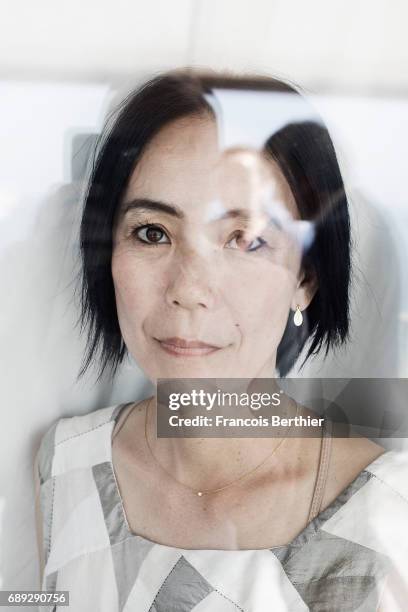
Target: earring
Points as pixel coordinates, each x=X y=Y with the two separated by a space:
x=298 y=317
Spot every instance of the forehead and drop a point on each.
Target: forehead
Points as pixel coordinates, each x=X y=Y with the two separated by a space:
x=184 y=165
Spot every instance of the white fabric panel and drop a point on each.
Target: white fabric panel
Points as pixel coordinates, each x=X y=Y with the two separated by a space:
x=78 y=524
x=91 y=583
x=74 y=426
x=247 y=578
x=79 y=454
x=392 y=469
x=156 y=566
x=214 y=602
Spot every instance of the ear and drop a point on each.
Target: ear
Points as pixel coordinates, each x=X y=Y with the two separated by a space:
x=306 y=288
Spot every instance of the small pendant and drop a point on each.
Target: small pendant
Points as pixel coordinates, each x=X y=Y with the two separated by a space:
x=199 y=493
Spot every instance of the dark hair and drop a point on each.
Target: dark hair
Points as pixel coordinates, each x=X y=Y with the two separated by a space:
x=306 y=156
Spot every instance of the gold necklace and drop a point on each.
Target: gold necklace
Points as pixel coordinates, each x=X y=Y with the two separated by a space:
x=229 y=484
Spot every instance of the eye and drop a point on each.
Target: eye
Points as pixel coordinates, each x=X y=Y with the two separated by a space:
x=240 y=235
x=150 y=234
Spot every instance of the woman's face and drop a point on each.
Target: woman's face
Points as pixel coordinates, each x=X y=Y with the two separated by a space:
x=213 y=268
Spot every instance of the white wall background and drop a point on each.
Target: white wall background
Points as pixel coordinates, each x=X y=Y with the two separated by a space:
x=60 y=64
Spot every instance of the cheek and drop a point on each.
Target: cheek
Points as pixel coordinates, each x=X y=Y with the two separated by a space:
x=134 y=288
x=265 y=298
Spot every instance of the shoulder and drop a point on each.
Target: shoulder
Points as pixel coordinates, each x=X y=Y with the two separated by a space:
x=390 y=472
x=375 y=514
x=76 y=441
x=348 y=458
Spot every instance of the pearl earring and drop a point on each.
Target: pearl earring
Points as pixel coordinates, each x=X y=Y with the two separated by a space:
x=298 y=317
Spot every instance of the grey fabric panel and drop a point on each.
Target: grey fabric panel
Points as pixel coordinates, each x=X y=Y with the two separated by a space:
x=342 y=594
x=47 y=506
x=51 y=581
x=327 y=570
x=50 y=585
x=116 y=411
x=332 y=569
x=284 y=553
x=281 y=552
x=46 y=453
x=111 y=503
x=128 y=557
x=182 y=590
x=329 y=555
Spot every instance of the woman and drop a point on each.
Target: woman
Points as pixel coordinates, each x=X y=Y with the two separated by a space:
x=194 y=262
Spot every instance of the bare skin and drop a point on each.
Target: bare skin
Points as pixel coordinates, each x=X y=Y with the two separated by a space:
x=268 y=509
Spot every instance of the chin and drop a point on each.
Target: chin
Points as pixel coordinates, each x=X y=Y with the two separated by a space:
x=188 y=371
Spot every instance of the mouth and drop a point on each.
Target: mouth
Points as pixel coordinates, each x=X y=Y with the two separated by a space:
x=186 y=348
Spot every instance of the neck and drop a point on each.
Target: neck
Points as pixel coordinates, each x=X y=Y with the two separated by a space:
x=205 y=463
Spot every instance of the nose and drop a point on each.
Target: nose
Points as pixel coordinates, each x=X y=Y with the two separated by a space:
x=192 y=282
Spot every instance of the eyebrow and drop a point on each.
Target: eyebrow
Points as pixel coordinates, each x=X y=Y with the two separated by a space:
x=175 y=211
x=156 y=205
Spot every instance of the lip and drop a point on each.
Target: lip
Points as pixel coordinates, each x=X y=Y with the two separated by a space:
x=186 y=348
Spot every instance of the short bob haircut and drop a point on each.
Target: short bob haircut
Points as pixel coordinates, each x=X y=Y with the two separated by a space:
x=306 y=156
